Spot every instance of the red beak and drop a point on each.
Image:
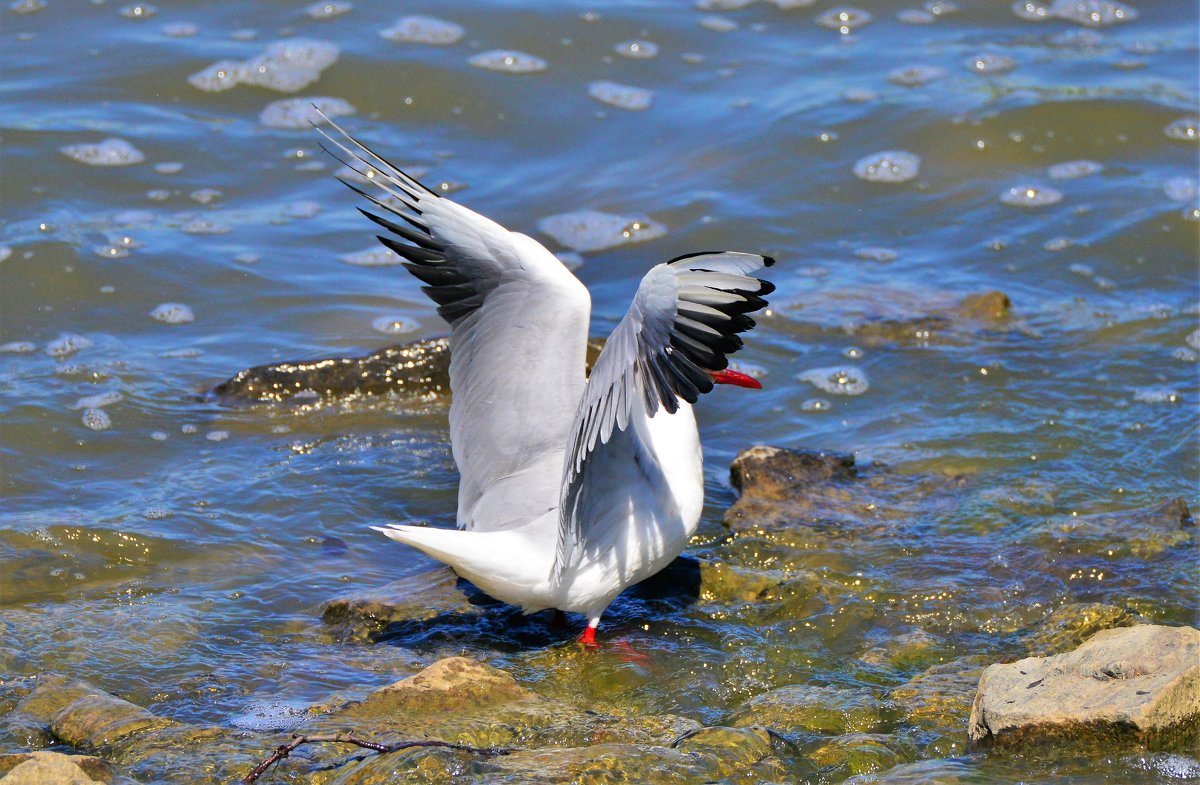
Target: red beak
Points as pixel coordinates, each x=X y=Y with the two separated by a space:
x=735 y=377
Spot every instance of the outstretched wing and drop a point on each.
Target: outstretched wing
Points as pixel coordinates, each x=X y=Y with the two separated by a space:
x=519 y=324
x=684 y=321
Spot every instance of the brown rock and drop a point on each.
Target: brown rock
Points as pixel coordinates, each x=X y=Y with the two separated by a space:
x=52 y=768
x=1144 y=532
x=1136 y=683
x=453 y=685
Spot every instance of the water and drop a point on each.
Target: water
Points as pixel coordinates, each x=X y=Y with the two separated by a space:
x=176 y=552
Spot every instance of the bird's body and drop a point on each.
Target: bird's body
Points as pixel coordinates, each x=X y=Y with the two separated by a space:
x=572 y=488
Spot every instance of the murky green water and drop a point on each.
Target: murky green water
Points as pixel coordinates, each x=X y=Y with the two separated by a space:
x=175 y=551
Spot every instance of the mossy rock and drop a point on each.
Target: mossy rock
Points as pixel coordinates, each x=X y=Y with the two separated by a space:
x=734 y=748
x=802 y=707
x=855 y=753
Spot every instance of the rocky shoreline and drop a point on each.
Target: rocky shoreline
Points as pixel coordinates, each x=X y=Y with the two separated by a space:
x=1090 y=676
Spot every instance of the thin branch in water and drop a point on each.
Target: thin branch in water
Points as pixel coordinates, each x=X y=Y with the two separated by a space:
x=283 y=750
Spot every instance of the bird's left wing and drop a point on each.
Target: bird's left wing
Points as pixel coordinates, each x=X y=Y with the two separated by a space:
x=682 y=324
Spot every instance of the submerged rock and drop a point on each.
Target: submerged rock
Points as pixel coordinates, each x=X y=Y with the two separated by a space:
x=367 y=614
x=1072 y=624
x=1137 y=684
x=939 y=699
x=43 y=768
x=856 y=753
x=1143 y=533
x=803 y=707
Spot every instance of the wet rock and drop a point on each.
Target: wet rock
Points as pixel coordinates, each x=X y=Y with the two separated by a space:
x=52 y=768
x=726 y=583
x=803 y=707
x=454 y=684
x=419 y=369
x=855 y=753
x=1072 y=624
x=912 y=649
x=938 y=700
x=84 y=716
x=735 y=748
x=1143 y=533
x=367 y=614
x=925 y=772
x=1137 y=684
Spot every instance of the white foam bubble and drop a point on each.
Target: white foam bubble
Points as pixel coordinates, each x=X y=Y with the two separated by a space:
x=1055 y=244
x=637 y=49
x=139 y=11
x=217 y=436
x=889 y=166
x=941 y=7
x=722 y=5
x=508 y=61
x=67 y=344
x=26 y=6
x=96 y=419
x=205 y=226
x=328 y=9
x=915 y=16
x=372 y=257
x=1031 y=196
x=299 y=112
x=852 y=353
x=1185 y=129
x=181 y=29
x=17 y=347
x=622 y=96
x=1181 y=189
x=1193 y=339
x=275 y=715
x=394 y=325
x=1093 y=13
x=1156 y=394
x=247 y=258
x=285 y=66
x=591 y=230
x=301 y=209
x=837 y=380
x=423 y=30
x=110 y=152
x=915 y=75
x=99 y=400
x=1073 y=170
x=718 y=24
x=815 y=405
x=168 y=167
x=204 y=195
x=110 y=251
x=221 y=75
x=5 y=252
x=158 y=436
x=173 y=313
x=874 y=253
x=988 y=63
x=844 y=19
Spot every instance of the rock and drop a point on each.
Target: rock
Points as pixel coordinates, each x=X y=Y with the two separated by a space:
x=418 y=369
x=1143 y=533
x=736 y=748
x=938 y=699
x=986 y=307
x=855 y=753
x=84 y=716
x=803 y=707
x=366 y=615
x=1072 y=624
x=52 y=768
x=912 y=649
x=453 y=685
x=924 y=772
x=1139 y=684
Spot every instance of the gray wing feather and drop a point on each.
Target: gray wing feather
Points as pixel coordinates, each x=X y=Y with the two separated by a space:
x=682 y=324
x=519 y=331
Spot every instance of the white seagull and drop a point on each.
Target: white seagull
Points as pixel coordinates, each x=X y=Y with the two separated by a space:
x=571 y=488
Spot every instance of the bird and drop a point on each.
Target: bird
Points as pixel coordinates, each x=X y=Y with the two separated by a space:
x=572 y=487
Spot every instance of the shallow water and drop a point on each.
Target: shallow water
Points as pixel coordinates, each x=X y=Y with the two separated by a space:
x=175 y=551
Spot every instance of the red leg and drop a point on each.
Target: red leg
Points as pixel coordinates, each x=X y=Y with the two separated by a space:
x=588 y=638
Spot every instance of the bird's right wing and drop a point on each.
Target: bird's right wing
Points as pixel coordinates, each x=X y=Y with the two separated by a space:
x=519 y=324
x=682 y=324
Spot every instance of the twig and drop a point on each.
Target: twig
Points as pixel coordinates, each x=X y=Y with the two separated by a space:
x=283 y=750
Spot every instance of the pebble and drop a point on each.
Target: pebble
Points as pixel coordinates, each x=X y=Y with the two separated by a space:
x=110 y=152
x=915 y=75
x=508 y=61
x=158 y=436
x=247 y=258
x=1073 y=170
x=328 y=10
x=372 y=257
x=838 y=380
x=633 y=99
x=301 y=209
x=297 y=113
x=173 y=313
x=67 y=344
x=394 y=325
x=876 y=254
x=96 y=419
x=591 y=230
x=722 y=5
x=889 y=166
x=1185 y=129
x=423 y=30
x=637 y=49
x=1031 y=196
x=859 y=95
x=844 y=19
x=990 y=64
x=1093 y=13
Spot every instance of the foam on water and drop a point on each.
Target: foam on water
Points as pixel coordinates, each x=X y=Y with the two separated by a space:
x=394 y=325
x=26 y=6
x=1193 y=339
x=110 y=152
x=621 y=96
x=301 y=209
x=915 y=75
x=96 y=419
x=181 y=29
x=1031 y=196
x=328 y=9
x=298 y=113
x=275 y=715
x=1073 y=170
x=592 y=230
x=988 y=63
x=816 y=405
x=204 y=195
x=285 y=66
x=874 y=253
x=1093 y=13
x=217 y=436
x=844 y=19
x=915 y=16
x=371 y=257
x=139 y=11
x=637 y=49
x=1156 y=394
x=5 y=252
x=1181 y=189
x=508 y=61
x=722 y=5
x=889 y=166
x=1185 y=129
x=1031 y=11
x=169 y=167
x=718 y=24
x=173 y=313
x=99 y=400
x=67 y=344
x=205 y=226
x=17 y=347
x=837 y=380
x=423 y=30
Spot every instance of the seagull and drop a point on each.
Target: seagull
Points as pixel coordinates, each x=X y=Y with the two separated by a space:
x=572 y=487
